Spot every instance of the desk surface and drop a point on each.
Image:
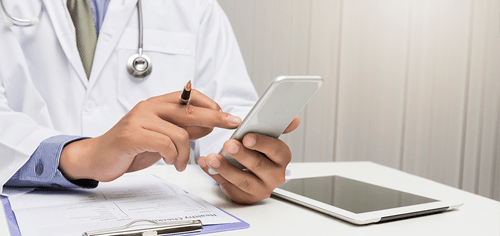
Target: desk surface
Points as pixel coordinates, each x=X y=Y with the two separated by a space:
x=478 y=215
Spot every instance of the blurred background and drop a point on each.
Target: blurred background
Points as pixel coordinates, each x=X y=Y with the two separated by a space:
x=409 y=84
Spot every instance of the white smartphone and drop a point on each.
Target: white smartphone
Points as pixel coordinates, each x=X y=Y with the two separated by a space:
x=283 y=99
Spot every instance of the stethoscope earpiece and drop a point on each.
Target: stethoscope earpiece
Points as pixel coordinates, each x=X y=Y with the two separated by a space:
x=34 y=21
x=8 y=23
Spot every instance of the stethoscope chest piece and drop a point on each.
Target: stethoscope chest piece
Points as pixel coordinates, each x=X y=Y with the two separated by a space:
x=139 y=66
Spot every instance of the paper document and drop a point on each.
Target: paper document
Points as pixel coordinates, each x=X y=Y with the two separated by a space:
x=113 y=204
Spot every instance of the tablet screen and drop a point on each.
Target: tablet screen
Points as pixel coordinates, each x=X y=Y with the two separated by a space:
x=352 y=195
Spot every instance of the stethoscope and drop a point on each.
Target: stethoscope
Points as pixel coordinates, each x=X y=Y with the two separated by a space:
x=138 y=65
x=21 y=22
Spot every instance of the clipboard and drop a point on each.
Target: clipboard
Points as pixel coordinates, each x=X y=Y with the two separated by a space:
x=189 y=226
x=193 y=227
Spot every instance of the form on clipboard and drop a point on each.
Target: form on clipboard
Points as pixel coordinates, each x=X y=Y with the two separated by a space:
x=125 y=202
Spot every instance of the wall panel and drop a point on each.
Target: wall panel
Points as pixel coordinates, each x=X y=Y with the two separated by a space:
x=491 y=113
x=298 y=57
x=242 y=14
x=372 y=80
x=496 y=177
x=474 y=102
x=437 y=79
x=262 y=53
x=416 y=140
x=324 y=43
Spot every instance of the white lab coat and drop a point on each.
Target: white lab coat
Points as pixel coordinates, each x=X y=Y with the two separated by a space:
x=44 y=90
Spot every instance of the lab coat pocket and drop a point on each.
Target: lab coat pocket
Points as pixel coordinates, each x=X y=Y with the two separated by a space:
x=172 y=58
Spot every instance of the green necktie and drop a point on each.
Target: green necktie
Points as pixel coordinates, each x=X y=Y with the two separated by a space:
x=86 y=36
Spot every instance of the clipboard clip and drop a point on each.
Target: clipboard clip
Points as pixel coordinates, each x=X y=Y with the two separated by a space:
x=187 y=226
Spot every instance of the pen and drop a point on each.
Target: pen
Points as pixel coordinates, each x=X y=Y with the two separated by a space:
x=186 y=94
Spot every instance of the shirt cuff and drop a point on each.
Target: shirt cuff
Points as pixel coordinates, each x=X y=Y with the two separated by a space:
x=41 y=170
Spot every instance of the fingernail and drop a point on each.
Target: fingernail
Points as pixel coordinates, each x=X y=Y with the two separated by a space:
x=249 y=141
x=233 y=148
x=214 y=162
x=202 y=163
x=234 y=119
x=211 y=155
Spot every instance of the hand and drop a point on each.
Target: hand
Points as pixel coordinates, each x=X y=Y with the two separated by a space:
x=158 y=128
x=266 y=159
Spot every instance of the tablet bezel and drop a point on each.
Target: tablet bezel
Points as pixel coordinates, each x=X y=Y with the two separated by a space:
x=367 y=217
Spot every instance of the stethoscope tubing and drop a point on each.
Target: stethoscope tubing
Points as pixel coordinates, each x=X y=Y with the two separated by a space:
x=139 y=73
x=139 y=12
x=139 y=65
x=22 y=22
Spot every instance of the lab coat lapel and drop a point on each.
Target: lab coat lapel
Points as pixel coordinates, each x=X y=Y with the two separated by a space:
x=117 y=17
x=65 y=31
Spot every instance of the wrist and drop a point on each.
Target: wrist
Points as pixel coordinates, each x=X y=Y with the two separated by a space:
x=74 y=162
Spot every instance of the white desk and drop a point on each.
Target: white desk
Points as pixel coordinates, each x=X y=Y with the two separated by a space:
x=478 y=215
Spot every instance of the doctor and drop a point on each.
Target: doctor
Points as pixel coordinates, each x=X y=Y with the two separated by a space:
x=67 y=123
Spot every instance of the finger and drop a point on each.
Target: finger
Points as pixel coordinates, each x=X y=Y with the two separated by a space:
x=275 y=149
x=196 y=99
x=144 y=160
x=201 y=100
x=189 y=115
x=166 y=98
x=178 y=136
x=243 y=180
x=150 y=141
x=258 y=164
x=229 y=189
x=196 y=132
x=293 y=125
